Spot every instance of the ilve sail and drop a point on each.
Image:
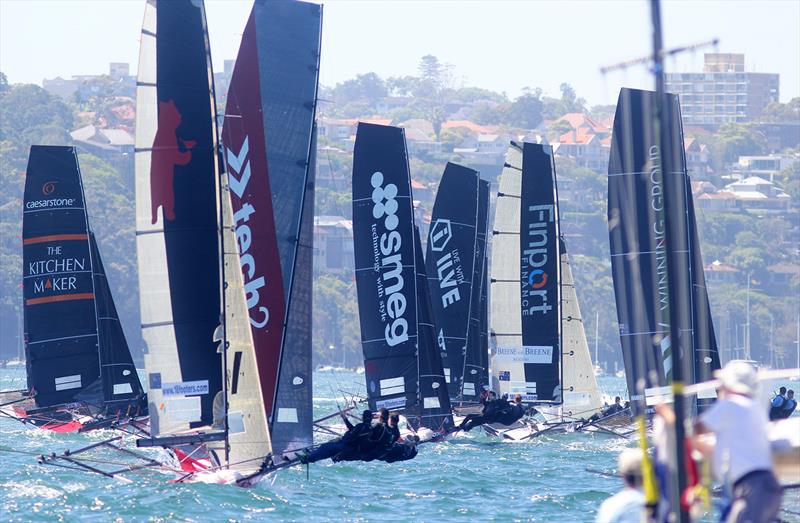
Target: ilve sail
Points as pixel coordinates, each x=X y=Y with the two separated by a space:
x=450 y=259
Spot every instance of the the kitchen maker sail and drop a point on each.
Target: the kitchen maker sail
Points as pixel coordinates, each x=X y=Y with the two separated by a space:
x=80 y=374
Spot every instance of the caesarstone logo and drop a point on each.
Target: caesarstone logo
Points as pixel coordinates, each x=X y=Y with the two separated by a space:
x=391 y=284
x=49 y=187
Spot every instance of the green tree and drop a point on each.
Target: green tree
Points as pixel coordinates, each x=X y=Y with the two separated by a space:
x=526 y=111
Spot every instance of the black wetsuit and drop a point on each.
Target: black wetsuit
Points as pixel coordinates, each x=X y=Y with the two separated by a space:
x=491 y=410
x=788 y=407
x=399 y=452
x=370 y=446
x=613 y=409
x=330 y=449
x=511 y=415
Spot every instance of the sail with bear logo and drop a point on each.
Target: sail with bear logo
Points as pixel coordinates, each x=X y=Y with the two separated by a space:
x=639 y=252
x=383 y=243
x=450 y=260
x=268 y=149
x=79 y=368
x=526 y=291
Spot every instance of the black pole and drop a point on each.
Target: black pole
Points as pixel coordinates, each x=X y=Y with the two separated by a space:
x=677 y=251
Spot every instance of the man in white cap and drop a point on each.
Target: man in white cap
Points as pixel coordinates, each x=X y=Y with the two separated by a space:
x=742 y=457
x=627 y=505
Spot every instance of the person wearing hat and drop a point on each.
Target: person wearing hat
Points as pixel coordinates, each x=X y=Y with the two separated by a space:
x=626 y=506
x=741 y=456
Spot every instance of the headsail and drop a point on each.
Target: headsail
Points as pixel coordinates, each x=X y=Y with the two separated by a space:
x=177 y=215
x=526 y=303
x=581 y=395
x=636 y=221
x=449 y=262
x=476 y=358
x=383 y=240
x=434 y=411
x=268 y=144
x=122 y=390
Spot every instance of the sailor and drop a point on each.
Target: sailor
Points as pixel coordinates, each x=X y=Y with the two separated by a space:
x=776 y=407
x=402 y=450
x=473 y=420
x=513 y=413
x=628 y=504
x=371 y=444
x=789 y=405
x=351 y=438
x=608 y=411
x=741 y=455
x=394 y=428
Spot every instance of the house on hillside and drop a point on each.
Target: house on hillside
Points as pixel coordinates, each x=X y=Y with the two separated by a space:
x=757 y=193
x=107 y=143
x=333 y=244
x=698 y=159
x=764 y=166
x=718 y=272
x=585 y=148
x=721 y=201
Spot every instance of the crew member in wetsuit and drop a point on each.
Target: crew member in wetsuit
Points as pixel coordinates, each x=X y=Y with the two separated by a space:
x=371 y=445
x=473 y=420
x=608 y=411
x=402 y=450
x=776 y=406
x=394 y=426
x=789 y=405
x=350 y=439
x=513 y=413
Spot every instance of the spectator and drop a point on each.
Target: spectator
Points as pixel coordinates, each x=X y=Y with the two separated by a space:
x=627 y=505
x=741 y=455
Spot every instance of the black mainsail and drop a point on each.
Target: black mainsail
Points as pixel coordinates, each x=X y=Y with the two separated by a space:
x=75 y=347
x=383 y=241
x=450 y=260
x=526 y=291
x=639 y=251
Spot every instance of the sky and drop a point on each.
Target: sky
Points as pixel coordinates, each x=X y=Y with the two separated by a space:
x=500 y=45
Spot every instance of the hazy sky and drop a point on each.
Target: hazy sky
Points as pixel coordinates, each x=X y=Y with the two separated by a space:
x=500 y=45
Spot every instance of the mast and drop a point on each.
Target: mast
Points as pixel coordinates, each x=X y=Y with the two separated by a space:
x=680 y=291
x=596 y=335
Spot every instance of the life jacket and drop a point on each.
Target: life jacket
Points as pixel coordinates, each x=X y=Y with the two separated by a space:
x=775 y=411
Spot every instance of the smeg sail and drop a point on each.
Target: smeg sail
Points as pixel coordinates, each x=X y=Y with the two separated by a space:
x=449 y=262
x=268 y=149
x=80 y=374
x=639 y=251
x=399 y=359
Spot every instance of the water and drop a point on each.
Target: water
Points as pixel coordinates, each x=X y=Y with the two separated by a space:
x=468 y=478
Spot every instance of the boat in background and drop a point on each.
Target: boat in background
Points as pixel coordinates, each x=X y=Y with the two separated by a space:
x=540 y=350
x=80 y=373
x=639 y=252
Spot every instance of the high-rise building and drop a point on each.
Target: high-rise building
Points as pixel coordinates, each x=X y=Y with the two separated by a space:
x=724 y=91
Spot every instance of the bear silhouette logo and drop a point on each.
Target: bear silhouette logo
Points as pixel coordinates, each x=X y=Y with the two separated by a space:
x=168 y=151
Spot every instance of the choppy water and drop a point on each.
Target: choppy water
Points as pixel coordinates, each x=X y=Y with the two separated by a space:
x=469 y=478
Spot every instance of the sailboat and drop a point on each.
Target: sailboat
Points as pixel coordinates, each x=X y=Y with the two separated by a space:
x=80 y=374
x=402 y=363
x=225 y=257
x=450 y=260
x=539 y=345
x=639 y=251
